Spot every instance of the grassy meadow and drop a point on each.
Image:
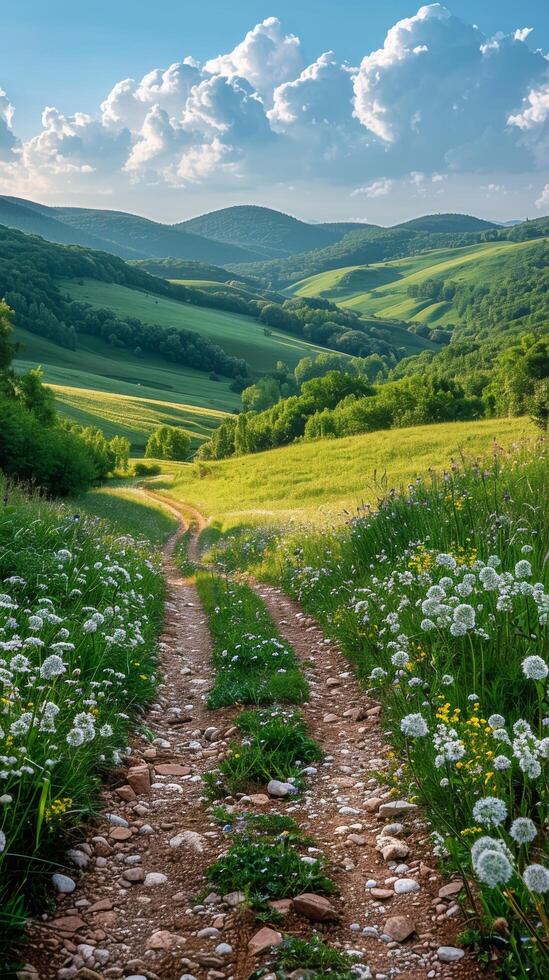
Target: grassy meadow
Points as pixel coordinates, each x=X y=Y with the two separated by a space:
x=380 y=289
x=321 y=481
x=239 y=335
x=129 y=512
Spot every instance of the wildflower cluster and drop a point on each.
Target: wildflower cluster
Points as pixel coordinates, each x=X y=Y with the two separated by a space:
x=79 y=613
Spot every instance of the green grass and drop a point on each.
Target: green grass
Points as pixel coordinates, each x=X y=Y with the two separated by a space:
x=381 y=288
x=239 y=335
x=319 y=481
x=124 y=394
x=129 y=512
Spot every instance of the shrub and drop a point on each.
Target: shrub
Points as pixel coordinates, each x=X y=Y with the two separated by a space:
x=168 y=442
x=147 y=469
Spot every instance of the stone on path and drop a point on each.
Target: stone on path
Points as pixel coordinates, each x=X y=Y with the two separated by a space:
x=280 y=789
x=63 y=884
x=399 y=927
x=450 y=954
x=263 y=940
x=189 y=839
x=314 y=907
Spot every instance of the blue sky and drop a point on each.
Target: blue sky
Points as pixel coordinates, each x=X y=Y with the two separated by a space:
x=360 y=146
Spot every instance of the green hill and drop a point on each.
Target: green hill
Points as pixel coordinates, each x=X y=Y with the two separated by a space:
x=40 y=220
x=270 y=232
x=387 y=289
x=447 y=223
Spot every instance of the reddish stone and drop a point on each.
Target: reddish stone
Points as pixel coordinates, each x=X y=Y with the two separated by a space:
x=451 y=889
x=263 y=940
x=314 y=907
x=69 y=923
x=102 y=905
x=172 y=769
x=399 y=927
x=139 y=779
x=126 y=793
x=120 y=833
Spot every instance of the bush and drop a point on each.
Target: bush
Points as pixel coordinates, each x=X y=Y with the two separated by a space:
x=168 y=442
x=147 y=469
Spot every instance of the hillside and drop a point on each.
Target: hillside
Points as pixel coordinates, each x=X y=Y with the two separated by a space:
x=122 y=234
x=321 y=482
x=271 y=232
x=408 y=288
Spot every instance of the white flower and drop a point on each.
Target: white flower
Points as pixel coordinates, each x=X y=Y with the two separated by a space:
x=523 y=569
x=427 y=624
x=399 y=659
x=496 y=721
x=53 y=666
x=465 y=615
x=488 y=844
x=75 y=737
x=535 y=668
x=536 y=878
x=35 y=622
x=489 y=578
x=22 y=724
x=2 y=841
x=447 y=561
x=490 y=811
x=414 y=726
x=20 y=663
x=447 y=679
x=523 y=830
x=501 y=762
x=493 y=868
x=378 y=674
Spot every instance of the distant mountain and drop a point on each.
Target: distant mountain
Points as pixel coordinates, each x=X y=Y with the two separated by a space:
x=447 y=223
x=122 y=234
x=270 y=232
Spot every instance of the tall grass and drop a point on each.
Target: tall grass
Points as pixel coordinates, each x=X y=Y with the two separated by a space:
x=80 y=610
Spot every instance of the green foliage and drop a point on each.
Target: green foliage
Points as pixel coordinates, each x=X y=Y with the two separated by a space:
x=128 y=512
x=147 y=469
x=167 y=442
x=314 y=955
x=253 y=665
x=67 y=719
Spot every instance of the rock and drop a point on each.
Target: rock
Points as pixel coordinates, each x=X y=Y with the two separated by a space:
x=450 y=954
x=28 y=972
x=282 y=905
x=355 y=714
x=208 y=933
x=139 y=779
x=69 y=923
x=126 y=793
x=136 y=976
x=263 y=940
x=155 y=878
x=101 y=846
x=78 y=857
x=189 y=839
x=224 y=949
x=233 y=899
x=330 y=719
x=63 y=884
x=403 y=886
x=451 y=889
x=102 y=905
x=397 y=808
x=212 y=899
x=162 y=939
x=333 y=682
x=146 y=829
x=372 y=805
x=279 y=789
x=120 y=833
x=172 y=769
x=357 y=839
x=259 y=799
x=393 y=849
x=134 y=875
x=399 y=927
x=383 y=894
x=314 y=907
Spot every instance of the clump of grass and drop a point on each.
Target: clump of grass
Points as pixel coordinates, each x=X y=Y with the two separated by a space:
x=253 y=665
x=314 y=955
x=269 y=825
x=265 y=870
x=275 y=746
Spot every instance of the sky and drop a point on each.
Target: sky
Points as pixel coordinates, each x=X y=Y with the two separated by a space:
x=347 y=110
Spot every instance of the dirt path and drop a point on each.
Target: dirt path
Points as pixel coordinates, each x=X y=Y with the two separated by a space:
x=135 y=912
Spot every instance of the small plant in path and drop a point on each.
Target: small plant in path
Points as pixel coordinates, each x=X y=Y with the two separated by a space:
x=269 y=825
x=275 y=746
x=313 y=955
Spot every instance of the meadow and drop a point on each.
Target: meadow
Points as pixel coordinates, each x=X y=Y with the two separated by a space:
x=326 y=481
x=238 y=335
x=381 y=289
x=124 y=394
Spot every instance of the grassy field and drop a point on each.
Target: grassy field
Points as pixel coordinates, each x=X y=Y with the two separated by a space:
x=129 y=511
x=382 y=288
x=236 y=334
x=327 y=480
x=125 y=394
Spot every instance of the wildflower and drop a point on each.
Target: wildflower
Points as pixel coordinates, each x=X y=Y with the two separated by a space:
x=446 y=561
x=2 y=841
x=447 y=679
x=75 y=737
x=22 y=724
x=496 y=721
x=414 y=726
x=399 y=659
x=536 y=878
x=378 y=674
x=523 y=569
x=106 y=731
x=427 y=624
x=493 y=868
x=465 y=615
x=488 y=844
x=501 y=762
x=53 y=666
x=523 y=830
x=535 y=668
x=490 y=811
x=20 y=663
x=489 y=578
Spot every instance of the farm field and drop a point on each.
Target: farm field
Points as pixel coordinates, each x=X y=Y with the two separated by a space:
x=125 y=394
x=381 y=289
x=236 y=334
x=326 y=481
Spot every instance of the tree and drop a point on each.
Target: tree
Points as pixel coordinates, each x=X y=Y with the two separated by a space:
x=539 y=410
x=168 y=442
x=35 y=395
x=120 y=447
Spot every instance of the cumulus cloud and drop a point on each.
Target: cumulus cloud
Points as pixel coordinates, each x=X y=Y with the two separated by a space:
x=377 y=188
x=265 y=58
x=543 y=199
x=437 y=97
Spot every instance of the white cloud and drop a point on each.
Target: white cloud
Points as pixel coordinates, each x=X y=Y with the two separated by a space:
x=522 y=33
x=74 y=144
x=543 y=199
x=7 y=138
x=535 y=111
x=265 y=58
x=321 y=94
x=377 y=188
x=128 y=102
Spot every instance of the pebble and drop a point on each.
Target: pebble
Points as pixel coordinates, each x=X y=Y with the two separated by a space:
x=224 y=949
x=63 y=884
x=155 y=878
x=405 y=885
x=450 y=954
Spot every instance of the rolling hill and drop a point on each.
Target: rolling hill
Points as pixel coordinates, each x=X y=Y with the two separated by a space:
x=271 y=232
x=384 y=289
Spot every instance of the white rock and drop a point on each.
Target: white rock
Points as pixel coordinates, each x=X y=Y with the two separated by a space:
x=190 y=839
x=404 y=885
x=450 y=954
x=224 y=949
x=63 y=884
x=155 y=878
